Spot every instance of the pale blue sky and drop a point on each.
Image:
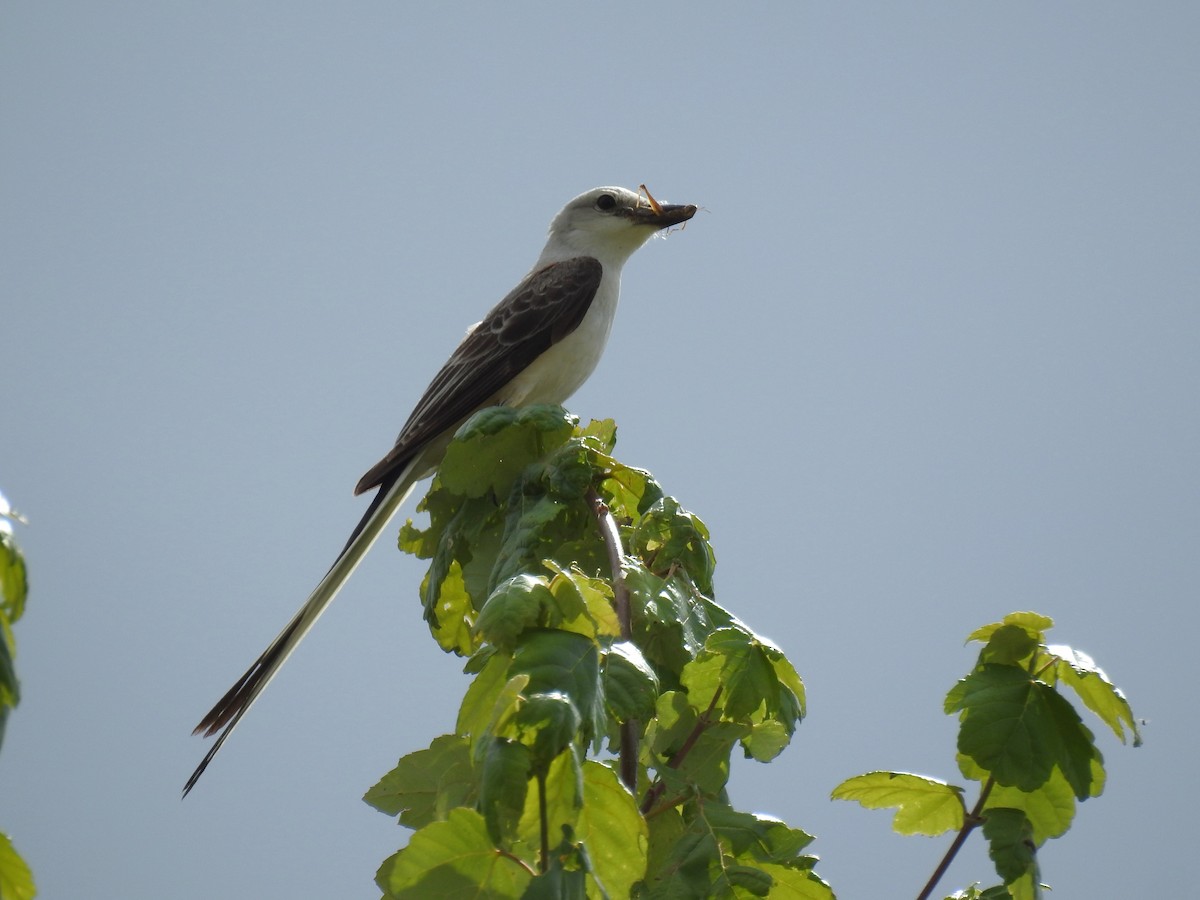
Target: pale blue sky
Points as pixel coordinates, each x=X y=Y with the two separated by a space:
x=929 y=355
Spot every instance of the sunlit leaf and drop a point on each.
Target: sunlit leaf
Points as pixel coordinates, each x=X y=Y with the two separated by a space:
x=1019 y=729
x=1094 y=688
x=427 y=784
x=668 y=535
x=1008 y=644
x=16 y=880
x=546 y=723
x=454 y=858
x=516 y=604
x=1050 y=809
x=1034 y=624
x=923 y=805
x=496 y=444
x=613 y=831
x=788 y=883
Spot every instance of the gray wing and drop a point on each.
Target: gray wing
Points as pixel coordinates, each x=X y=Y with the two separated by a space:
x=539 y=312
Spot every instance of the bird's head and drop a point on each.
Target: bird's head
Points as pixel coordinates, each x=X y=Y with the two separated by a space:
x=609 y=223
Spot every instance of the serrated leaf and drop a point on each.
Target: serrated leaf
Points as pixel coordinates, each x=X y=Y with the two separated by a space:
x=518 y=603
x=923 y=805
x=1020 y=729
x=707 y=763
x=503 y=782
x=16 y=879
x=581 y=597
x=1034 y=624
x=1050 y=809
x=630 y=685
x=451 y=614
x=564 y=663
x=478 y=708
x=1008 y=644
x=546 y=723
x=427 y=784
x=684 y=872
x=563 y=784
x=753 y=837
x=495 y=445
x=613 y=831
x=1010 y=844
x=788 y=883
x=1098 y=693
x=668 y=536
x=453 y=858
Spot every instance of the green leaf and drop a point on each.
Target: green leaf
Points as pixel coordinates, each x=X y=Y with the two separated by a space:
x=1094 y=688
x=1008 y=644
x=923 y=805
x=1034 y=624
x=1010 y=844
x=670 y=623
x=479 y=708
x=496 y=444
x=582 y=599
x=747 y=669
x=450 y=612
x=454 y=858
x=789 y=883
x=668 y=536
x=563 y=784
x=630 y=685
x=613 y=831
x=1019 y=729
x=16 y=880
x=564 y=663
x=427 y=784
x=546 y=724
x=755 y=837
x=516 y=604
x=503 y=783
x=14 y=583
x=1050 y=809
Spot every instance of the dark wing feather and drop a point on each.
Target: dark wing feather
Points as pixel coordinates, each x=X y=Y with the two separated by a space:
x=540 y=311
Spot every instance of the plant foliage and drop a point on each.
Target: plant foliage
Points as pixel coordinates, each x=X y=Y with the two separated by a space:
x=592 y=749
x=16 y=880
x=591 y=753
x=1021 y=738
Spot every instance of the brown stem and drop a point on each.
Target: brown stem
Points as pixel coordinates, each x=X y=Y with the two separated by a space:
x=970 y=823
x=612 y=543
x=680 y=755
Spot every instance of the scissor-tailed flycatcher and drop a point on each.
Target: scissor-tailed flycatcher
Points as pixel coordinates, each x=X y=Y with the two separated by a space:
x=537 y=345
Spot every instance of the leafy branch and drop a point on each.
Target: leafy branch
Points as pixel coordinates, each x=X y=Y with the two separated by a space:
x=581 y=598
x=591 y=752
x=1026 y=745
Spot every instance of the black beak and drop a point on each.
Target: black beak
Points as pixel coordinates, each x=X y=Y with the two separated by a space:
x=662 y=215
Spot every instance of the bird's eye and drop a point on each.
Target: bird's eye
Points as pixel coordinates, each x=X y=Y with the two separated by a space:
x=605 y=202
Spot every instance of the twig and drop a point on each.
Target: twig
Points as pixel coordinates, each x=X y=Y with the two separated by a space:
x=970 y=823
x=630 y=729
x=680 y=755
x=612 y=543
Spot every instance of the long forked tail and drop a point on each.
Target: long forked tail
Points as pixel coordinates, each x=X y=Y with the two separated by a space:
x=229 y=710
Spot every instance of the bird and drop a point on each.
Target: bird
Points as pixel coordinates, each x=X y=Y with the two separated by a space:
x=537 y=345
